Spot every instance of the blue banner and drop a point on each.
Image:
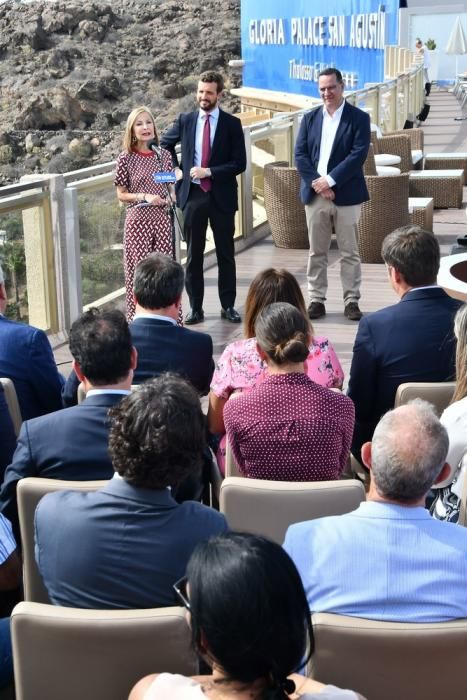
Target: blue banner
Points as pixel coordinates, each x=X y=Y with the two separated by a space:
x=285 y=43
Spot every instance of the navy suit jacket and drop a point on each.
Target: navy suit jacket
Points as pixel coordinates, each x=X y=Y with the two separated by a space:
x=163 y=347
x=27 y=359
x=68 y=444
x=228 y=156
x=7 y=435
x=412 y=341
x=118 y=547
x=345 y=163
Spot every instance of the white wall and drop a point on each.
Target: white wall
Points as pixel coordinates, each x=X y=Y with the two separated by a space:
x=438 y=27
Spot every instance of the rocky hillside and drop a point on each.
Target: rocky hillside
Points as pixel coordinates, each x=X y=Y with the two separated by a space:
x=71 y=72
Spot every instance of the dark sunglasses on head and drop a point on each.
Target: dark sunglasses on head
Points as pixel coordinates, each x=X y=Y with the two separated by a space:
x=180 y=591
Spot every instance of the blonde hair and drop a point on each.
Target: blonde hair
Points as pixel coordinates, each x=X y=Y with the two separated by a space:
x=128 y=135
x=460 y=331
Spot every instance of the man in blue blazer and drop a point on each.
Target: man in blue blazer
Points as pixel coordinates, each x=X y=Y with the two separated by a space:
x=161 y=344
x=213 y=154
x=125 y=545
x=73 y=443
x=412 y=341
x=27 y=359
x=331 y=147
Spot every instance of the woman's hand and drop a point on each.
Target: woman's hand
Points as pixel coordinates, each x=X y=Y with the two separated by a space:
x=155 y=200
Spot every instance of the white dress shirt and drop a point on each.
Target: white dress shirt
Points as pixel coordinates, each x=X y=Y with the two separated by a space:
x=328 y=134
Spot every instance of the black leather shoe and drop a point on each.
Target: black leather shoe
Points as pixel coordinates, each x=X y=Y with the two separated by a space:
x=231 y=315
x=316 y=310
x=352 y=311
x=194 y=317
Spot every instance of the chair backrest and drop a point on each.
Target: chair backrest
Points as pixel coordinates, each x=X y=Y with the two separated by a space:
x=437 y=393
x=231 y=466
x=29 y=493
x=12 y=402
x=398 y=145
x=387 y=660
x=76 y=654
x=369 y=166
x=269 y=507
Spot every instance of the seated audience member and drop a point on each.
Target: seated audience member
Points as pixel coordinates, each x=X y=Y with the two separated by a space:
x=250 y=623
x=411 y=341
x=10 y=580
x=7 y=435
x=240 y=366
x=27 y=359
x=124 y=545
x=447 y=501
x=162 y=345
x=288 y=427
x=389 y=559
x=73 y=443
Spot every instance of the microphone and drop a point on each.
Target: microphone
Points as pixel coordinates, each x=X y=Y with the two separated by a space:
x=154 y=147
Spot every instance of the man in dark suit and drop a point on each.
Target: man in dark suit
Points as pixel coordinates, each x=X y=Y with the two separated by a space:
x=125 y=545
x=331 y=147
x=73 y=443
x=27 y=359
x=161 y=344
x=412 y=341
x=213 y=154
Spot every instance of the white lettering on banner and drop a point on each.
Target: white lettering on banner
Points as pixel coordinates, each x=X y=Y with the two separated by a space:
x=266 y=31
x=361 y=31
x=302 y=71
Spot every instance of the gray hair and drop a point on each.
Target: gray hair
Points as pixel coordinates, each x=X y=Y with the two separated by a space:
x=408 y=451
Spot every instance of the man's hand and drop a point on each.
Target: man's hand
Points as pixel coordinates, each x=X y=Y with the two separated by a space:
x=199 y=173
x=320 y=184
x=328 y=194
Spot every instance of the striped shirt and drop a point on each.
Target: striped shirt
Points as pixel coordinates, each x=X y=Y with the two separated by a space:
x=7 y=541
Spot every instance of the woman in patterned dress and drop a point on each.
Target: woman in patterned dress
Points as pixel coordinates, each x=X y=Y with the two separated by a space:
x=148 y=227
x=240 y=367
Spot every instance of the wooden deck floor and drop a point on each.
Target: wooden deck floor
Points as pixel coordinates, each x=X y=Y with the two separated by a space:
x=442 y=134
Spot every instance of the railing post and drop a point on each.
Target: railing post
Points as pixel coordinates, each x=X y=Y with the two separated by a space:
x=73 y=285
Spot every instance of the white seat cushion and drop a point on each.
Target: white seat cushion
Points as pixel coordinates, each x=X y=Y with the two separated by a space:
x=387 y=170
x=450 y=156
x=416 y=156
x=387 y=159
x=436 y=173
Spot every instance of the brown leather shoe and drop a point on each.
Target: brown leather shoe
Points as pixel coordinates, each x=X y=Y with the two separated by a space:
x=352 y=311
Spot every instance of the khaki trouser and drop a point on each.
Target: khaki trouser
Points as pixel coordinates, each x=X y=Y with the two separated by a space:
x=321 y=214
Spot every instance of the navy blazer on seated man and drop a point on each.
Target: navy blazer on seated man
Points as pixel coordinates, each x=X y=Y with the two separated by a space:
x=411 y=341
x=137 y=543
x=69 y=444
x=162 y=346
x=348 y=154
x=27 y=359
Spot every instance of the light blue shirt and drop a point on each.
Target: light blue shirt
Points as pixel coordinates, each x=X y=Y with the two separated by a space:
x=383 y=562
x=214 y=118
x=99 y=392
x=7 y=541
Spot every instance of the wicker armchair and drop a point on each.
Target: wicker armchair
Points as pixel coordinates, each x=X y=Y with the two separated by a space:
x=417 y=140
x=285 y=211
x=386 y=210
x=369 y=166
x=400 y=146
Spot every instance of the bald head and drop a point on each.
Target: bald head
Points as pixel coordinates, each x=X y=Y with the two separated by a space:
x=408 y=452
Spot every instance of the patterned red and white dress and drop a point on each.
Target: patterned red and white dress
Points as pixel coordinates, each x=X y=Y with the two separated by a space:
x=148 y=228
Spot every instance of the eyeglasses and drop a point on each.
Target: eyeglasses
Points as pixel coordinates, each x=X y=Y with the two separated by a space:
x=180 y=591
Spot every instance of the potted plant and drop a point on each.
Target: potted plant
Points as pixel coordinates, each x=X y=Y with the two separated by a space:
x=434 y=59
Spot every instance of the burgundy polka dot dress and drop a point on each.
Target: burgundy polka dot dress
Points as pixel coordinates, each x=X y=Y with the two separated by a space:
x=288 y=428
x=148 y=228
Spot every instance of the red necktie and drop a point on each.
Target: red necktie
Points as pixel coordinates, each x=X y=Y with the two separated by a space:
x=205 y=183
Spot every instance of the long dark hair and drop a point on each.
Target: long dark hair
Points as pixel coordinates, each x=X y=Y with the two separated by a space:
x=249 y=612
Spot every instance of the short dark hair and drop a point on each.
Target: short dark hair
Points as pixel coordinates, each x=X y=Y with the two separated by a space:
x=414 y=252
x=212 y=76
x=157 y=433
x=282 y=332
x=249 y=608
x=158 y=281
x=331 y=71
x=100 y=341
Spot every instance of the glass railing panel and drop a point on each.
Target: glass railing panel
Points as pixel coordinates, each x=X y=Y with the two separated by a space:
x=13 y=261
